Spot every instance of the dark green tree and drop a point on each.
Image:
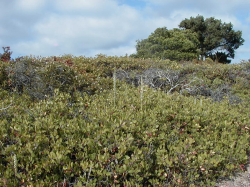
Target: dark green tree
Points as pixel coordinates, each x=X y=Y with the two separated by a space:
x=217 y=40
x=173 y=44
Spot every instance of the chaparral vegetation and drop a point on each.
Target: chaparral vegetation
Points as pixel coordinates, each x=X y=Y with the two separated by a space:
x=123 y=121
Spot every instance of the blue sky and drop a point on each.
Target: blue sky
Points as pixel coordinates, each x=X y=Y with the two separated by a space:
x=111 y=27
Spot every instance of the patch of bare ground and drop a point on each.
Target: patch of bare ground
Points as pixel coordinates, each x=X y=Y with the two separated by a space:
x=238 y=180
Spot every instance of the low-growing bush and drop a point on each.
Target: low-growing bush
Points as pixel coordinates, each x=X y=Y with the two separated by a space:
x=160 y=140
x=37 y=78
x=6 y=56
x=3 y=77
x=88 y=127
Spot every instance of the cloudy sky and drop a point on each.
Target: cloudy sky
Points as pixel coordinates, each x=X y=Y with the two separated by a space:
x=111 y=27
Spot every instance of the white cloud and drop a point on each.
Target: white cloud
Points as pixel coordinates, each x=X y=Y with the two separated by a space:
x=212 y=8
x=117 y=51
x=82 y=34
x=83 y=27
x=248 y=19
x=28 y=6
x=211 y=5
x=84 y=5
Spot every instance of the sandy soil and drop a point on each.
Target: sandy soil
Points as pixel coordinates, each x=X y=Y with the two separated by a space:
x=239 y=180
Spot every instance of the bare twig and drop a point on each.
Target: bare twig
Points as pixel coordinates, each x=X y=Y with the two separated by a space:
x=89 y=173
x=6 y=107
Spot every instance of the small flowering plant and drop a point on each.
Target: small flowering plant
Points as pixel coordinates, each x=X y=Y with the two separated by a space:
x=6 y=56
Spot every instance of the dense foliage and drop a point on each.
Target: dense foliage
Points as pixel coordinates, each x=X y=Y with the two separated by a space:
x=197 y=38
x=173 y=44
x=122 y=121
x=6 y=56
x=217 y=40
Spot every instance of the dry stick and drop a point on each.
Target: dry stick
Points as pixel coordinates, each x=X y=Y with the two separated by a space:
x=89 y=173
x=114 y=84
x=15 y=165
x=6 y=107
x=141 y=92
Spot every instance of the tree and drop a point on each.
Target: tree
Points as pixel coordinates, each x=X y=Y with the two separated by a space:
x=217 y=40
x=173 y=44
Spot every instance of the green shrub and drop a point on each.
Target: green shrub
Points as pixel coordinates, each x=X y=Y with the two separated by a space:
x=86 y=130
x=3 y=76
x=38 y=78
x=161 y=139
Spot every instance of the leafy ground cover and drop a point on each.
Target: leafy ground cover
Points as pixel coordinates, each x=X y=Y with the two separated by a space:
x=122 y=121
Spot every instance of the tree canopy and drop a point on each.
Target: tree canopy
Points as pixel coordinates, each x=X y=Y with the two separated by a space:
x=217 y=40
x=196 y=38
x=173 y=44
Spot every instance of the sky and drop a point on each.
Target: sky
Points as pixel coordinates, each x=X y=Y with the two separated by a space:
x=111 y=27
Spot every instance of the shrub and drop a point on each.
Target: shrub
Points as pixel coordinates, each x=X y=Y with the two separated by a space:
x=171 y=139
x=6 y=56
x=38 y=79
x=3 y=77
x=81 y=131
